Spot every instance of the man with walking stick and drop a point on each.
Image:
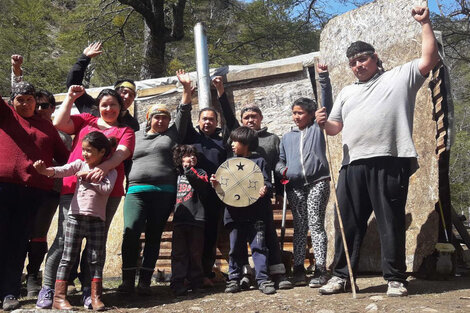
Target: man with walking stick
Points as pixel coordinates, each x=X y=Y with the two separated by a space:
x=376 y=117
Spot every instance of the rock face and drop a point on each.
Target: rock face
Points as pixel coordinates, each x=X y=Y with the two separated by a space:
x=396 y=36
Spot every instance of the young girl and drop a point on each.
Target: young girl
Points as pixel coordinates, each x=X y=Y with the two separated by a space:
x=86 y=216
x=188 y=221
x=303 y=161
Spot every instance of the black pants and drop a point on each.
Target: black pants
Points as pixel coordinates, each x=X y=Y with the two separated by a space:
x=254 y=234
x=38 y=243
x=186 y=255
x=380 y=185
x=18 y=207
x=213 y=213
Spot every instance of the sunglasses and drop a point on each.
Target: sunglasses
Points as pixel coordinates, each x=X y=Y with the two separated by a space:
x=44 y=105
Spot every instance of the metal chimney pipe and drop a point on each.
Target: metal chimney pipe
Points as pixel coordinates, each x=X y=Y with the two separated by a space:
x=202 y=65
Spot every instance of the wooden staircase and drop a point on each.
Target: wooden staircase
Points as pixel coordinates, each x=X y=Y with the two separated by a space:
x=223 y=245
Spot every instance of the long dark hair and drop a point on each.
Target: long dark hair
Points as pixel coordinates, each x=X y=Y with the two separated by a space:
x=99 y=141
x=179 y=152
x=111 y=93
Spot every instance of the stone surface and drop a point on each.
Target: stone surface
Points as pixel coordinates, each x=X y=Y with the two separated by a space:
x=396 y=36
x=372 y=308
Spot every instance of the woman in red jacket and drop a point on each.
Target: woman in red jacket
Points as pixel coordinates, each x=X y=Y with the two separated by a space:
x=24 y=138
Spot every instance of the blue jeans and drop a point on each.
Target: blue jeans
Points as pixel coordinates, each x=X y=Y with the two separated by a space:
x=254 y=234
x=18 y=207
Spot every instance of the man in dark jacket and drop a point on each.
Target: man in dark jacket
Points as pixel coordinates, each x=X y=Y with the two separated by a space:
x=86 y=103
x=210 y=143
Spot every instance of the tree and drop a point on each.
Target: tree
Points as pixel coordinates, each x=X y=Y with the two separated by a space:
x=161 y=27
x=26 y=30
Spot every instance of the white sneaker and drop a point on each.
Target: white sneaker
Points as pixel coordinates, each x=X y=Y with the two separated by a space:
x=396 y=289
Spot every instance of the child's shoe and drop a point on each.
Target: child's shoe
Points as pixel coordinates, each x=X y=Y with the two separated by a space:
x=267 y=287
x=233 y=286
x=281 y=282
x=96 y=292
x=60 y=296
x=245 y=282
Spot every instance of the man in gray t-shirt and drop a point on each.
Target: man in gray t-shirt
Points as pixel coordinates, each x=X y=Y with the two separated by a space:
x=375 y=115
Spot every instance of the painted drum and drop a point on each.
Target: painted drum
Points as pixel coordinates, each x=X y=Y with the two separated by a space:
x=239 y=180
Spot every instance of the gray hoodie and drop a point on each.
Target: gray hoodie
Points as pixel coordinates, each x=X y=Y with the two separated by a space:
x=303 y=152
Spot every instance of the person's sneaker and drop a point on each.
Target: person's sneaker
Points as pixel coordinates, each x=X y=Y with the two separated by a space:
x=396 y=289
x=336 y=285
x=232 y=286
x=10 y=303
x=319 y=279
x=45 y=298
x=267 y=287
x=86 y=298
x=281 y=282
x=299 y=278
x=245 y=282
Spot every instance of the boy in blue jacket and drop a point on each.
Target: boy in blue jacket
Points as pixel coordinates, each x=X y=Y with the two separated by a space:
x=246 y=224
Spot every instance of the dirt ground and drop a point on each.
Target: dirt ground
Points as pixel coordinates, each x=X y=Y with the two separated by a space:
x=425 y=296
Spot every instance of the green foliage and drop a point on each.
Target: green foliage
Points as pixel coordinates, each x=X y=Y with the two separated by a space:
x=52 y=34
x=26 y=30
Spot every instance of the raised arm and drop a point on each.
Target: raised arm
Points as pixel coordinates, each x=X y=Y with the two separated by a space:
x=429 y=51
x=231 y=122
x=62 y=120
x=77 y=72
x=183 y=116
x=16 y=70
x=325 y=84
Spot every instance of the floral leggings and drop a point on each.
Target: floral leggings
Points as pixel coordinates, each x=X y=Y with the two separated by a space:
x=308 y=205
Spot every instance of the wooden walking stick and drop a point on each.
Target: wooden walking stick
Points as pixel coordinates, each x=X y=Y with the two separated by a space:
x=338 y=213
x=340 y=220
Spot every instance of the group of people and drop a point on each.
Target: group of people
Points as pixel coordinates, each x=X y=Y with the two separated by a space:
x=162 y=169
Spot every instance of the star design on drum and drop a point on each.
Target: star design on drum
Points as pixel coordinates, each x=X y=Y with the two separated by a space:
x=223 y=181
x=253 y=184
x=240 y=166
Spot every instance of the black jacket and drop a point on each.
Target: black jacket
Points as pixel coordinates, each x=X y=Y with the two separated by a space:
x=86 y=103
